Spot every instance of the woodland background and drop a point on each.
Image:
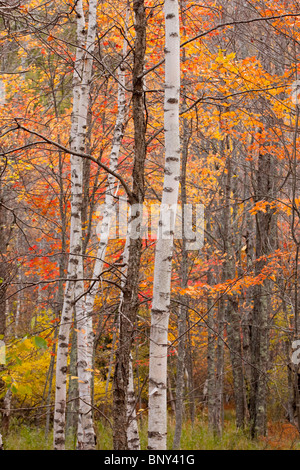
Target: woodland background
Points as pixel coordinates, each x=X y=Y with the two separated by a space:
x=82 y=122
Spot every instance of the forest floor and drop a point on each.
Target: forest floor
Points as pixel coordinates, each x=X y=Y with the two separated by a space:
x=281 y=436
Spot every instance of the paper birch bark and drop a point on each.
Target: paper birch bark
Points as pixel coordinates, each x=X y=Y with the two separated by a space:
x=133 y=438
x=109 y=202
x=157 y=430
x=85 y=433
x=74 y=287
x=86 y=305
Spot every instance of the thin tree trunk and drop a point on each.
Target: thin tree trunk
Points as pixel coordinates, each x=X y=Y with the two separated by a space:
x=133 y=438
x=132 y=428
x=211 y=344
x=259 y=327
x=219 y=384
x=85 y=434
x=6 y=412
x=157 y=430
x=51 y=377
x=232 y=316
x=179 y=409
x=295 y=216
x=129 y=304
x=72 y=407
x=60 y=291
x=183 y=309
x=109 y=203
x=74 y=288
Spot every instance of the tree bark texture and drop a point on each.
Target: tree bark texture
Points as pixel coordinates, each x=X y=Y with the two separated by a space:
x=129 y=304
x=157 y=427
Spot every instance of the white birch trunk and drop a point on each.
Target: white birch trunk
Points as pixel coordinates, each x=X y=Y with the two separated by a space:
x=132 y=429
x=85 y=433
x=6 y=409
x=19 y=300
x=157 y=428
x=75 y=266
x=20 y=293
x=133 y=438
x=109 y=202
x=84 y=308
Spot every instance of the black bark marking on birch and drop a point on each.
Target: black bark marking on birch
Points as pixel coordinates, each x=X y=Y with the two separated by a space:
x=160 y=385
x=158 y=312
x=154 y=434
x=168 y=190
x=81 y=363
x=170 y=16
x=172 y=100
x=59 y=441
x=134 y=440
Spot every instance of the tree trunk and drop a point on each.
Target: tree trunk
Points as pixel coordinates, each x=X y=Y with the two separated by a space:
x=72 y=407
x=74 y=286
x=232 y=313
x=219 y=381
x=211 y=342
x=157 y=430
x=85 y=434
x=259 y=328
x=129 y=304
x=132 y=428
x=109 y=203
x=183 y=309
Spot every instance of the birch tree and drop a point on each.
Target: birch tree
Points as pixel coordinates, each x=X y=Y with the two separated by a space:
x=109 y=210
x=74 y=286
x=132 y=427
x=157 y=430
x=110 y=195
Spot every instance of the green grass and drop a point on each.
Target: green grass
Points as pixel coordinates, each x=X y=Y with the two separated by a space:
x=194 y=437
x=26 y=438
